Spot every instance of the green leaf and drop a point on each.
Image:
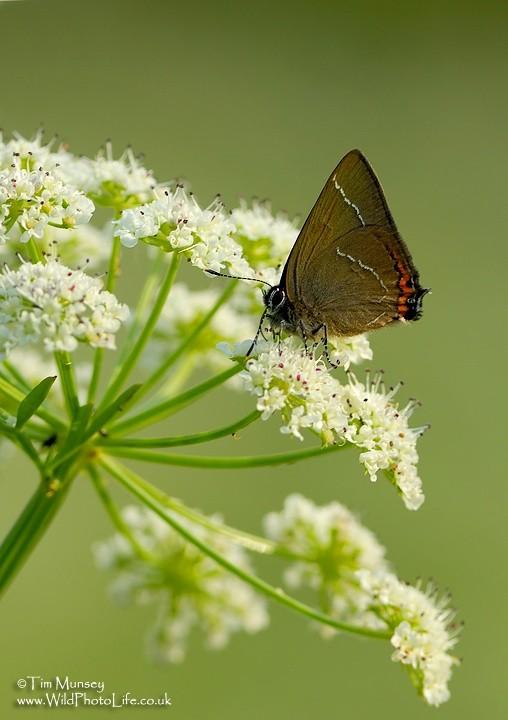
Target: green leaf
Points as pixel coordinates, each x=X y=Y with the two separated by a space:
x=30 y=404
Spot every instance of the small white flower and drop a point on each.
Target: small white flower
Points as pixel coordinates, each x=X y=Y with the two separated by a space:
x=58 y=306
x=32 y=153
x=347 y=351
x=383 y=429
x=111 y=182
x=118 y=183
x=286 y=379
x=266 y=238
x=422 y=636
x=175 y=221
x=191 y=588
x=35 y=198
x=330 y=545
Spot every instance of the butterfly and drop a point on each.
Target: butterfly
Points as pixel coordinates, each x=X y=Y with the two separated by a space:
x=349 y=270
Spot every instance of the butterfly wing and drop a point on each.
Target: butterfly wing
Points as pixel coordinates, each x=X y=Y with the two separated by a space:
x=349 y=268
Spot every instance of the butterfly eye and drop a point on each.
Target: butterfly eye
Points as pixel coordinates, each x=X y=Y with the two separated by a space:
x=276 y=298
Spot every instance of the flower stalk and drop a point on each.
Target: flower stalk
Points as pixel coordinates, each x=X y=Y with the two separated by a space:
x=276 y=594
x=123 y=372
x=222 y=462
x=165 y=409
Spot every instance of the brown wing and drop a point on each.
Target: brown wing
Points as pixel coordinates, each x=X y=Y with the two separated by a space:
x=352 y=205
x=352 y=286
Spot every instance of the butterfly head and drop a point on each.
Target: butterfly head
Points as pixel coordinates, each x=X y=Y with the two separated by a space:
x=277 y=305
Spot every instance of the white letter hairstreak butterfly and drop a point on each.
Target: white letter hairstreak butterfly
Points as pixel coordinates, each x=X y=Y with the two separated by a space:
x=349 y=270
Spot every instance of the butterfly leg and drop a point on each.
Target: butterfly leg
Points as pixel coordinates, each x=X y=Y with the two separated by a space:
x=259 y=332
x=304 y=337
x=277 y=337
x=325 y=347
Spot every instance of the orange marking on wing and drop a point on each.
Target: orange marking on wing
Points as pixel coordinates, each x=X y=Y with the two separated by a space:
x=406 y=288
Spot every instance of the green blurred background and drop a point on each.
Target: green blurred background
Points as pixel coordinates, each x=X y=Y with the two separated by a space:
x=262 y=99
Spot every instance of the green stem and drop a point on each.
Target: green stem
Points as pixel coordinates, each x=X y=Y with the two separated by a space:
x=96 y=374
x=180 y=440
x=114 y=264
x=124 y=370
x=247 y=540
x=17 y=376
x=46 y=500
x=66 y=372
x=14 y=394
x=223 y=462
x=115 y=514
x=141 y=307
x=168 y=407
x=29 y=527
x=188 y=342
x=113 y=271
x=261 y=586
x=23 y=440
x=178 y=377
x=34 y=251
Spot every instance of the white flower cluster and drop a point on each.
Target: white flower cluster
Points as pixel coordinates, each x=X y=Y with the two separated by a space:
x=345 y=565
x=125 y=178
x=175 y=221
x=58 y=306
x=330 y=546
x=36 y=198
x=382 y=429
x=110 y=182
x=347 y=351
x=285 y=379
x=31 y=153
x=191 y=588
x=266 y=238
x=421 y=625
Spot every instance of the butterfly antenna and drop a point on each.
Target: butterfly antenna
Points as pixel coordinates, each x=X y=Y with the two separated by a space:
x=237 y=277
x=258 y=333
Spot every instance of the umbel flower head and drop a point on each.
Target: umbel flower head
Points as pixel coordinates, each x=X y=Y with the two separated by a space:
x=266 y=238
x=287 y=380
x=422 y=632
x=175 y=221
x=191 y=589
x=331 y=546
x=56 y=306
x=114 y=183
x=33 y=153
x=33 y=199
